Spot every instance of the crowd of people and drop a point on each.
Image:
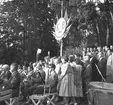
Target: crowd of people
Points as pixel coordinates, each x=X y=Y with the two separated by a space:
x=68 y=76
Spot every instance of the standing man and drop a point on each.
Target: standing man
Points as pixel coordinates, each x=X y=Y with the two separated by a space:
x=15 y=79
x=102 y=65
x=94 y=62
x=110 y=68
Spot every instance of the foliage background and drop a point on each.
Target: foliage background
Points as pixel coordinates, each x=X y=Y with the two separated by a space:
x=26 y=25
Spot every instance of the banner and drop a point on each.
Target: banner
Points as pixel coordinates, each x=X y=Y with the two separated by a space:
x=60 y=28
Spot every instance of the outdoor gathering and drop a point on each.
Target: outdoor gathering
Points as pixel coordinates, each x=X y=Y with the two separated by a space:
x=56 y=52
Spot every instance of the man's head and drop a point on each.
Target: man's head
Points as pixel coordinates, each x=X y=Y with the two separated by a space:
x=99 y=49
x=71 y=58
x=5 y=67
x=14 y=67
x=100 y=54
x=111 y=47
x=64 y=59
x=52 y=66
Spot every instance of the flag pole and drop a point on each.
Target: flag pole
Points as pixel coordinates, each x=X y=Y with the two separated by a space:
x=61 y=47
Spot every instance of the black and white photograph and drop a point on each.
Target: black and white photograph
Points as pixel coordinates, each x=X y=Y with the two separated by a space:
x=56 y=52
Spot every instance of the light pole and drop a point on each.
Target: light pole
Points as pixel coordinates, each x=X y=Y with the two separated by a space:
x=61 y=28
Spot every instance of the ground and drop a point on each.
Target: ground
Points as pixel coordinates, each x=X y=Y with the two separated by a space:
x=82 y=102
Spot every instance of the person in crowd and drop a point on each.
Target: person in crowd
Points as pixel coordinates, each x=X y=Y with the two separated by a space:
x=78 y=79
x=14 y=81
x=52 y=78
x=37 y=78
x=47 y=59
x=101 y=66
x=38 y=55
x=94 y=62
x=6 y=74
x=109 y=72
x=87 y=74
x=67 y=87
x=20 y=69
x=58 y=64
x=94 y=50
x=99 y=49
x=78 y=56
x=90 y=49
x=25 y=70
x=106 y=48
x=108 y=53
x=46 y=70
x=111 y=47
x=33 y=84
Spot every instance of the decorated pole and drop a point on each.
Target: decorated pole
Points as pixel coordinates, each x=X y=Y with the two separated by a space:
x=61 y=47
x=61 y=28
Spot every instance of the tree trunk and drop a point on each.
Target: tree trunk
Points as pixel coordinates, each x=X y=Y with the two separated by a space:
x=111 y=14
x=107 y=35
x=98 y=32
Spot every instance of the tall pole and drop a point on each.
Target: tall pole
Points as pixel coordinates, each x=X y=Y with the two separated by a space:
x=61 y=47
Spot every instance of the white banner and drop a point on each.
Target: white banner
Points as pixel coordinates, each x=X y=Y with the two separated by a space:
x=60 y=29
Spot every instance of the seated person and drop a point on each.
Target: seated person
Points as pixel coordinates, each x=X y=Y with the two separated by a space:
x=14 y=82
x=33 y=82
x=24 y=72
x=52 y=80
x=5 y=76
x=37 y=79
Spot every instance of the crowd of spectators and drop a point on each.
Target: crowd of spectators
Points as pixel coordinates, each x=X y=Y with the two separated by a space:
x=67 y=75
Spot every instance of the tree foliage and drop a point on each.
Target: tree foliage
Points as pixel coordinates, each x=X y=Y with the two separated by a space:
x=26 y=25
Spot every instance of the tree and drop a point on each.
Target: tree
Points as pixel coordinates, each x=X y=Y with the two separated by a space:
x=25 y=26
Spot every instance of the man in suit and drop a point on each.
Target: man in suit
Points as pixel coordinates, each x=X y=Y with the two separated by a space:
x=6 y=74
x=87 y=74
x=110 y=68
x=15 y=79
x=102 y=65
x=37 y=79
x=93 y=62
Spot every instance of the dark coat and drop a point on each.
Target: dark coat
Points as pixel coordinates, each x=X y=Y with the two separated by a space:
x=102 y=67
x=95 y=74
x=15 y=84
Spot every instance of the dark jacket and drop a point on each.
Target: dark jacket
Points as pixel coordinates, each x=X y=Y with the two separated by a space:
x=102 y=67
x=15 y=84
x=95 y=74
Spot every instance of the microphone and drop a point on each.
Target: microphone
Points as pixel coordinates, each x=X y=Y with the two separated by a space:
x=100 y=73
